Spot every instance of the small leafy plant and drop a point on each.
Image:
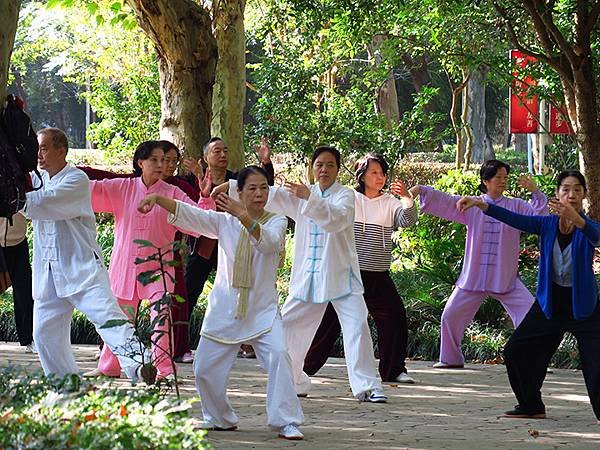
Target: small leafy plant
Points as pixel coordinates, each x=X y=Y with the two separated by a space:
x=150 y=330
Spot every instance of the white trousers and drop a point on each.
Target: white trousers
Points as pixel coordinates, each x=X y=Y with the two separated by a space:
x=213 y=363
x=52 y=327
x=301 y=320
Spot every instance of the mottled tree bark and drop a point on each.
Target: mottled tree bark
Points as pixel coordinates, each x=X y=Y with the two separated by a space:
x=229 y=96
x=9 y=18
x=181 y=31
x=482 y=149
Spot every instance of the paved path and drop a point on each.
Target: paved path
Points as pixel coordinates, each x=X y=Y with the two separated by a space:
x=454 y=409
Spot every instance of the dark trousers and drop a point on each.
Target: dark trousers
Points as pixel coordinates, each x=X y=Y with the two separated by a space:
x=19 y=269
x=531 y=347
x=388 y=312
x=180 y=314
x=197 y=271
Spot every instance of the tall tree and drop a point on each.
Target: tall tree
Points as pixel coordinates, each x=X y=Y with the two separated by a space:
x=9 y=17
x=229 y=96
x=187 y=57
x=562 y=34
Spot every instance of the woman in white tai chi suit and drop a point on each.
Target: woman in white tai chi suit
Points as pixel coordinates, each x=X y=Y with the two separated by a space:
x=325 y=269
x=243 y=305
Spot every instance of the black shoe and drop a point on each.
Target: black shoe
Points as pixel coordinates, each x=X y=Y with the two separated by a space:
x=519 y=413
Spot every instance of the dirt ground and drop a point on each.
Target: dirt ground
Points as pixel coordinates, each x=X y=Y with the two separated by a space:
x=451 y=409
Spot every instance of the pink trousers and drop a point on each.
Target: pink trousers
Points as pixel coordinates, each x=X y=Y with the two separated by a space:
x=462 y=307
x=109 y=364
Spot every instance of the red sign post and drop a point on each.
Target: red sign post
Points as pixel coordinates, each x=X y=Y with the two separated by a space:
x=523 y=112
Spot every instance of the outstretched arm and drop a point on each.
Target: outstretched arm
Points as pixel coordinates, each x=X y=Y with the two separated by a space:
x=530 y=224
x=439 y=204
x=60 y=202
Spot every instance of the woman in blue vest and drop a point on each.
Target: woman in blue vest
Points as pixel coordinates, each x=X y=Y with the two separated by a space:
x=567 y=295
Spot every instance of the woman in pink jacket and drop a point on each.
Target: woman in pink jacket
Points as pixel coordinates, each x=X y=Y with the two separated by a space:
x=120 y=197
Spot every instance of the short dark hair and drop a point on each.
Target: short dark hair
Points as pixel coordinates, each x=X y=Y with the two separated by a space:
x=246 y=172
x=210 y=141
x=167 y=146
x=58 y=137
x=362 y=166
x=489 y=169
x=142 y=152
x=571 y=173
x=323 y=149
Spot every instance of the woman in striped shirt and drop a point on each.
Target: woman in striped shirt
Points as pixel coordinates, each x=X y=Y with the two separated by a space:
x=377 y=215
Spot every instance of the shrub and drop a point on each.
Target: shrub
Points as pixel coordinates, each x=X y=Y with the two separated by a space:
x=39 y=413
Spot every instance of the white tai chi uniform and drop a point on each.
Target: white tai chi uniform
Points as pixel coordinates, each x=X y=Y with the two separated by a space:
x=68 y=273
x=222 y=332
x=325 y=269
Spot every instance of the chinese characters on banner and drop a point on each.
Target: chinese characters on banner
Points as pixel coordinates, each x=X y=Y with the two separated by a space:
x=559 y=122
x=523 y=112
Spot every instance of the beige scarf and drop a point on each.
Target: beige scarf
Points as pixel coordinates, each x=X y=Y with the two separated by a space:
x=242 y=267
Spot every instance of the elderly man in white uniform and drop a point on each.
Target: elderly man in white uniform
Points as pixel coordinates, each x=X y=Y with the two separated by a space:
x=325 y=269
x=68 y=270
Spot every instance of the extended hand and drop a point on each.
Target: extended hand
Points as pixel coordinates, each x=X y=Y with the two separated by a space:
x=205 y=184
x=525 y=181
x=193 y=166
x=398 y=188
x=147 y=204
x=468 y=202
x=229 y=205
x=566 y=211
x=299 y=190
x=263 y=151
x=222 y=188
x=414 y=191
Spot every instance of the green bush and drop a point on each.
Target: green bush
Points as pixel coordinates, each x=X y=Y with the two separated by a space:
x=37 y=412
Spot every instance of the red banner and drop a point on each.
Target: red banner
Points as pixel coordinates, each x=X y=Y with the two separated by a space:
x=559 y=121
x=523 y=112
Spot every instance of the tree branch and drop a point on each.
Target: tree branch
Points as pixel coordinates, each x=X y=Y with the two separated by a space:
x=552 y=61
x=544 y=25
x=592 y=19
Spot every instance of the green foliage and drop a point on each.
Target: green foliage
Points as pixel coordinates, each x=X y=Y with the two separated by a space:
x=562 y=154
x=107 y=61
x=40 y=413
x=313 y=88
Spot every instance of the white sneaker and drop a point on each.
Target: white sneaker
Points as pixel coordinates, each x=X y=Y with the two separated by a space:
x=404 y=378
x=291 y=432
x=30 y=348
x=134 y=374
x=374 y=396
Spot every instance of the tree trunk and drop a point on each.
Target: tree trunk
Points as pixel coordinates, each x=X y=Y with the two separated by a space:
x=9 y=18
x=464 y=119
x=187 y=56
x=229 y=94
x=476 y=117
x=519 y=142
x=456 y=127
x=457 y=123
x=580 y=97
x=386 y=103
x=387 y=100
